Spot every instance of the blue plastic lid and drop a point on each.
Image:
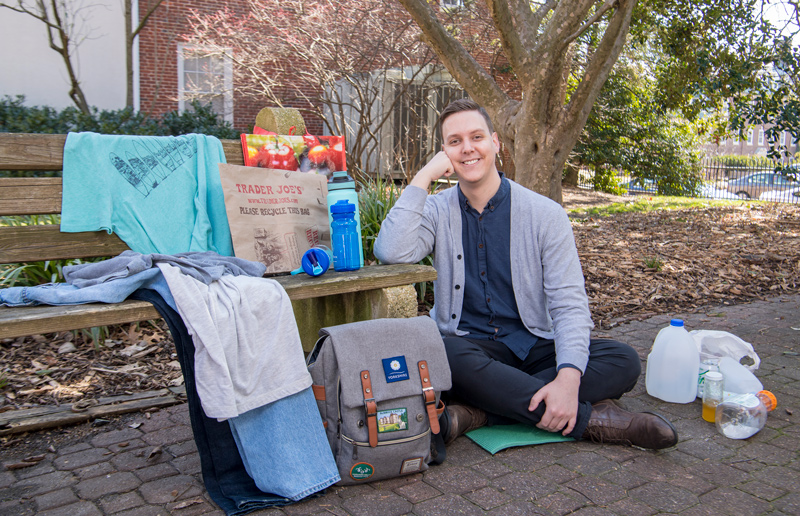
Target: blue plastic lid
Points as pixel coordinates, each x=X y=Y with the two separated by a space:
x=343 y=206
x=676 y=322
x=315 y=262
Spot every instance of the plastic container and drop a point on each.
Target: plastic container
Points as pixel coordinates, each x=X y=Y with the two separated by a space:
x=712 y=394
x=343 y=187
x=707 y=365
x=345 y=238
x=315 y=262
x=743 y=415
x=738 y=378
x=672 y=365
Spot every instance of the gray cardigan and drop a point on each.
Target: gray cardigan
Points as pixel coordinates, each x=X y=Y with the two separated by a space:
x=545 y=268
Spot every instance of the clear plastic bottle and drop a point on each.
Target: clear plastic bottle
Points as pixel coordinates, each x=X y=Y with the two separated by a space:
x=712 y=394
x=707 y=364
x=672 y=365
x=743 y=415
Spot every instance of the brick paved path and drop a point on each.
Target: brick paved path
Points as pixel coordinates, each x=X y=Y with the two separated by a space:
x=120 y=471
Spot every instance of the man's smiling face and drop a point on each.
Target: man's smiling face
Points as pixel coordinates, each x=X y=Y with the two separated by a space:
x=470 y=146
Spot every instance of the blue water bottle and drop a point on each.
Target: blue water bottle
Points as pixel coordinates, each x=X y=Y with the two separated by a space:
x=341 y=186
x=344 y=235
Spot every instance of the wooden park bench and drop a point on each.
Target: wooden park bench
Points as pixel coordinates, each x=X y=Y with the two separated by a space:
x=333 y=298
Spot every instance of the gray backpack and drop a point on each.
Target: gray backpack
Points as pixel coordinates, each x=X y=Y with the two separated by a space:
x=377 y=385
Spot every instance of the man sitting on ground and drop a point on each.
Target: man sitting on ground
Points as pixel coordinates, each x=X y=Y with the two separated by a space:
x=510 y=299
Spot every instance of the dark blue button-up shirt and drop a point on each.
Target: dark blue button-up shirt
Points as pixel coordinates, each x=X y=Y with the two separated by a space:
x=490 y=308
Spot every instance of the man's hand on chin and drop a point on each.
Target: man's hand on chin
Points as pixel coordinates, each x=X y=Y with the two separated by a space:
x=561 y=401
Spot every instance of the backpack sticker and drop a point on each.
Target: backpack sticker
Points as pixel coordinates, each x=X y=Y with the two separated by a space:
x=411 y=465
x=392 y=420
x=361 y=471
x=395 y=369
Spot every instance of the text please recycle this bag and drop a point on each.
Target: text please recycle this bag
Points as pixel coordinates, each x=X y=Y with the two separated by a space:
x=377 y=385
x=275 y=215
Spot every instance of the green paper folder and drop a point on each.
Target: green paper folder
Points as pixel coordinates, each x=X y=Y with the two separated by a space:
x=499 y=437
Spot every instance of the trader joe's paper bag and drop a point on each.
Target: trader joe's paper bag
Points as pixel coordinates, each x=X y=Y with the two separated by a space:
x=275 y=215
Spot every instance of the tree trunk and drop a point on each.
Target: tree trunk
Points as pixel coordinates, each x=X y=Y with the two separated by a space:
x=538 y=40
x=129 y=53
x=571 y=175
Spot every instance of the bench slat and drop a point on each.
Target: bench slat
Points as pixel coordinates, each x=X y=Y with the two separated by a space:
x=36 y=243
x=30 y=320
x=30 y=195
x=20 y=151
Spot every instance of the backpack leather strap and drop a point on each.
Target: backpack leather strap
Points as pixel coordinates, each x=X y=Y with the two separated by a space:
x=371 y=407
x=428 y=396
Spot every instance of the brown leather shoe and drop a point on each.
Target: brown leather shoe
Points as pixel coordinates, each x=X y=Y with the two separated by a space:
x=614 y=425
x=463 y=418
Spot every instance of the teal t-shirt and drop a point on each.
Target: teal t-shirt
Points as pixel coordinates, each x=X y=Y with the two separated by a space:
x=159 y=194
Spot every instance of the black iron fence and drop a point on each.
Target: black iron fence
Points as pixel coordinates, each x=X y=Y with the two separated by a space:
x=723 y=178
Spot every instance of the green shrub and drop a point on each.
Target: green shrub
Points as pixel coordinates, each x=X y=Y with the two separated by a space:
x=34 y=273
x=375 y=199
x=745 y=161
x=18 y=118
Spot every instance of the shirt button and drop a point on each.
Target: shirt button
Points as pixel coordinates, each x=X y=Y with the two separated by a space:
x=480 y=246
x=453 y=316
x=458 y=287
x=488 y=299
x=459 y=256
x=483 y=273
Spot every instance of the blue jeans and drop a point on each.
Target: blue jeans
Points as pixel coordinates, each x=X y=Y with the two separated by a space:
x=114 y=291
x=488 y=375
x=224 y=474
x=284 y=447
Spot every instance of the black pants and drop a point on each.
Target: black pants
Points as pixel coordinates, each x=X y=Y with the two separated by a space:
x=488 y=375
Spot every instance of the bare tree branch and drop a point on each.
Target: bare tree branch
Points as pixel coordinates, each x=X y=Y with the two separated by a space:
x=599 y=67
x=458 y=61
x=62 y=37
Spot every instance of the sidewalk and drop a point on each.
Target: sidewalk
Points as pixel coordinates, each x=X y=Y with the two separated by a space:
x=140 y=466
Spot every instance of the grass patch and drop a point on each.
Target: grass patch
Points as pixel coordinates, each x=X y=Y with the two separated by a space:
x=646 y=203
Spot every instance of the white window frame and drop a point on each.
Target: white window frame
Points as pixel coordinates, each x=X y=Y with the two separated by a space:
x=760 y=136
x=783 y=137
x=227 y=79
x=750 y=136
x=451 y=4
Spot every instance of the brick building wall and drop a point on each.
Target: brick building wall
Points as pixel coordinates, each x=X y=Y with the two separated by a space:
x=158 y=50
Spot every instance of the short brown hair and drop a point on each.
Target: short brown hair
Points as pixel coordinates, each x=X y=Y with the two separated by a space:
x=460 y=105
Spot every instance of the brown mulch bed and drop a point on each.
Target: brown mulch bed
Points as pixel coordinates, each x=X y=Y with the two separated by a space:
x=641 y=264
x=636 y=265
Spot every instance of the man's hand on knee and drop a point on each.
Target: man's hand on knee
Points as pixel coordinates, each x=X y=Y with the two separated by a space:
x=561 y=402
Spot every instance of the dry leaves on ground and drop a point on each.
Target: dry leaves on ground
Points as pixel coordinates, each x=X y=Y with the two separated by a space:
x=64 y=368
x=707 y=257
x=642 y=264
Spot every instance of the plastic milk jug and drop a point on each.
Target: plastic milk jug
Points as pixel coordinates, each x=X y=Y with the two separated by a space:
x=342 y=187
x=672 y=365
x=344 y=236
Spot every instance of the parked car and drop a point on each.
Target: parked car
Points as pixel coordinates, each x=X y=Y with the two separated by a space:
x=709 y=191
x=790 y=196
x=640 y=186
x=754 y=185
